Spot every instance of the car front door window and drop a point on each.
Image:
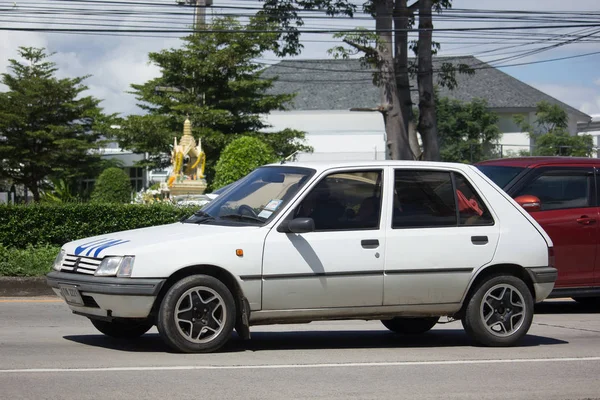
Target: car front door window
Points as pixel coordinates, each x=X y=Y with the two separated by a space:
x=344 y=201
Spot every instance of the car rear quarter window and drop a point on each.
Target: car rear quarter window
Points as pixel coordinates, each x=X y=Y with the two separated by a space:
x=501 y=175
x=471 y=208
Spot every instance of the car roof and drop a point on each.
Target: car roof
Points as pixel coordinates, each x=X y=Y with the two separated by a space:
x=531 y=162
x=320 y=166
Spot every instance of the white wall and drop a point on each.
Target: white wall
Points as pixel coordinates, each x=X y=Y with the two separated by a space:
x=335 y=135
x=349 y=135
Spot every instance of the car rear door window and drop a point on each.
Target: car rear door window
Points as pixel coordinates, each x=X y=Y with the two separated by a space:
x=423 y=199
x=561 y=189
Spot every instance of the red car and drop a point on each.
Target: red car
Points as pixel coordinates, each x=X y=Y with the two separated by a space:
x=561 y=193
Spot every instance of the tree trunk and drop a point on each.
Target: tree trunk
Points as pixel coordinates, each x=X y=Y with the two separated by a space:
x=401 y=18
x=35 y=191
x=395 y=128
x=427 y=119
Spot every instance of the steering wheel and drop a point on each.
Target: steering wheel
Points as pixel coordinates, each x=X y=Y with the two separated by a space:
x=248 y=209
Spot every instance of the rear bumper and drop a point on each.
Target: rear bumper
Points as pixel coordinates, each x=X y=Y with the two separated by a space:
x=543 y=274
x=109 y=297
x=543 y=281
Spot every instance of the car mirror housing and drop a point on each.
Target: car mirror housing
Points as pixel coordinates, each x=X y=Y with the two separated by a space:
x=529 y=203
x=297 y=225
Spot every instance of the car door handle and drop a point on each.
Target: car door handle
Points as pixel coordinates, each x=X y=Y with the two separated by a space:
x=370 y=243
x=479 y=240
x=585 y=220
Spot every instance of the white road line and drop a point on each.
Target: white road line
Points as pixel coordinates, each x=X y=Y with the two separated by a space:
x=290 y=366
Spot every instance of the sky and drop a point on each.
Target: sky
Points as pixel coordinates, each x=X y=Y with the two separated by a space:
x=115 y=62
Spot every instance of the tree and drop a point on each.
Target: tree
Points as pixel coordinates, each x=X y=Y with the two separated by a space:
x=214 y=80
x=468 y=132
x=112 y=186
x=47 y=127
x=551 y=135
x=388 y=54
x=241 y=157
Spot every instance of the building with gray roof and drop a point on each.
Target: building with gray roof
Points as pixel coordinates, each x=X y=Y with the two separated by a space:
x=326 y=90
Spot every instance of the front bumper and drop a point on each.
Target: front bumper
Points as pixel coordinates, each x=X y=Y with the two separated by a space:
x=108 y=297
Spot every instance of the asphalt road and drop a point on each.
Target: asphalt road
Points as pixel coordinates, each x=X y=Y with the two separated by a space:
x=48 y=353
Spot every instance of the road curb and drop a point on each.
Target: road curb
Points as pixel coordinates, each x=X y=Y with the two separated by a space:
x=11 y=286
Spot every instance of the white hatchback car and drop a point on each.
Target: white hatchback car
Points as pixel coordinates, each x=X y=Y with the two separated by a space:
x=398 y=241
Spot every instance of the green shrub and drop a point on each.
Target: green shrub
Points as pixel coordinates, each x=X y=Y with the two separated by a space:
x=56 y=224
x=112 y=186
x=239 y=158
x=30 y=261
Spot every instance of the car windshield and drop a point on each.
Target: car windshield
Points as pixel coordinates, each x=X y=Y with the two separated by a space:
x=256 y=198
x=500 y=175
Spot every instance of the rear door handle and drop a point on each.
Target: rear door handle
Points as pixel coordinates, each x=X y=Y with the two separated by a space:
x=479 y=240
x=369 y=243
x=585 y=220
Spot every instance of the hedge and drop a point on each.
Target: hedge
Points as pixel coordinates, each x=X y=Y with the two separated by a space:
x=31 y=261
x=55 y=224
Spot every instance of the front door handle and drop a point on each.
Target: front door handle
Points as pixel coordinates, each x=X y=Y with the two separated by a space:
x=585 y=220
x=369 y=243
x=479 y=240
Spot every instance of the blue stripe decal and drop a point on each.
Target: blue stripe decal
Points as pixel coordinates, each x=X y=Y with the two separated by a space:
x=107 y=245
x=98 y=245
x=85 y=246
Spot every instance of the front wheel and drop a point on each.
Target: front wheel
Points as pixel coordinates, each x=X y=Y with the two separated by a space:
x=410 y=326
x=197 y=315
x=500 y=311
x=122 y=329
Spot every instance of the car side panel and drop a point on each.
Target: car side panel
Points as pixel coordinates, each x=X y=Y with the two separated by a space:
x=522 y=240
x=434 y=265
x=246 y=269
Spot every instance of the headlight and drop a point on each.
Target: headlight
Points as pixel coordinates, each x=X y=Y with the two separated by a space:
x=60 y=257
x=116 y=266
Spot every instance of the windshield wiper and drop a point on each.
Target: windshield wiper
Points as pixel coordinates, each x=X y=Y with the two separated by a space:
x=242 y=217
x=201 y=217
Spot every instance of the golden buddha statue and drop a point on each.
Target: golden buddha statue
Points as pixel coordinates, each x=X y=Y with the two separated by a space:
x=188 y=162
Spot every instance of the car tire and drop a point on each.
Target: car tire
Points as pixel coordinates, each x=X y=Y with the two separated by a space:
x=122 y=328
x=410 y=326
x=197 y=315
x=588 y=301
x=500 y=311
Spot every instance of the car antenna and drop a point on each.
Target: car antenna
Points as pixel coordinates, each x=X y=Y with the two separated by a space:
x=289 y=157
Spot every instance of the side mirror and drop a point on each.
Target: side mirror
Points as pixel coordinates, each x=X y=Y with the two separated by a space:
x=529 y=203
x=297 y=225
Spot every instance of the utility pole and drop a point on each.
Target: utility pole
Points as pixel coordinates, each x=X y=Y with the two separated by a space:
x=200 y=14
x=199 y=11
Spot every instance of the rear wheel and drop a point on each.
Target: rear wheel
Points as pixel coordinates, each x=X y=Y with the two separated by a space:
x=122 y=329
x=500 y=311
x=410 y=326
x=197 y=315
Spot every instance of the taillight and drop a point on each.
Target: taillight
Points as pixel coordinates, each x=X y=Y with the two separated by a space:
x=551 y=256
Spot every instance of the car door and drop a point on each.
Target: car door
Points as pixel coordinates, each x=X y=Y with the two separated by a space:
x=440 y=231
x=340 y=263
x=597 y=263
x=570 y=217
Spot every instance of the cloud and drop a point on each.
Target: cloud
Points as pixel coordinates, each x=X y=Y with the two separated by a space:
x=583 y=98
x=116 y=62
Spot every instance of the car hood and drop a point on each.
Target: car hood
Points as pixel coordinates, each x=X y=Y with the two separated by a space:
x=134 y=241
